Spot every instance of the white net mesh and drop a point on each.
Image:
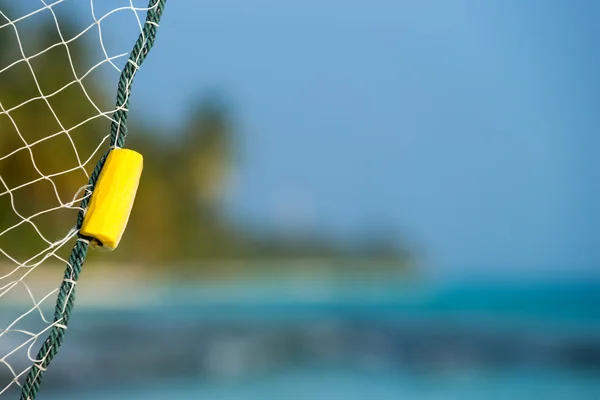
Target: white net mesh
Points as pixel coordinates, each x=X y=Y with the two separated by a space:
x=59 y=66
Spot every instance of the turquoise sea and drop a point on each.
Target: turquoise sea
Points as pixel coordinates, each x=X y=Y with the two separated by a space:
x=359 y=340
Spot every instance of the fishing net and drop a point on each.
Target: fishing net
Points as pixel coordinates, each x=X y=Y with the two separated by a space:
x=60 y=63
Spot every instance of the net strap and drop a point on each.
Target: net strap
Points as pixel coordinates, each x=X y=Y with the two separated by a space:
x=66 y=296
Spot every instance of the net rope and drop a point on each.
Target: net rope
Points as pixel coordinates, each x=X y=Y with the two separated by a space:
x=26 y=208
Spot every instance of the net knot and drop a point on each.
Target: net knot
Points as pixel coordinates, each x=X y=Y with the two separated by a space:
x=135 y=65
x=39 y=366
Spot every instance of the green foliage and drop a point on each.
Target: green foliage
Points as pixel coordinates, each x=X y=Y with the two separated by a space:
x=41 y=154
x=177 y=215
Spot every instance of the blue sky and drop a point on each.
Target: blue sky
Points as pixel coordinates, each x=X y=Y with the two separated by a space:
x=470 y=126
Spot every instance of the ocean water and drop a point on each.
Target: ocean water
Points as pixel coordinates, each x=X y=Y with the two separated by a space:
x=359 y=340
x=333 y=385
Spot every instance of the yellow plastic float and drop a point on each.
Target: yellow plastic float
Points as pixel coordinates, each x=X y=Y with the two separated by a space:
x=113 y=197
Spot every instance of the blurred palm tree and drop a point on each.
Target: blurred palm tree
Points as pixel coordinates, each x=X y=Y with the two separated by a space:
x=180 y=196
x=51 y=121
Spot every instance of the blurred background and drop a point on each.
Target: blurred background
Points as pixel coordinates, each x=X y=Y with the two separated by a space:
x=340 y=200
